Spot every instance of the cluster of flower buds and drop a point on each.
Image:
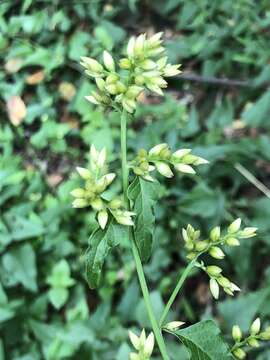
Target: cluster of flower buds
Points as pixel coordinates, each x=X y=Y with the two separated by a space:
x=142 y=344
x=197 y=246
x=144 y=67
x=96 y=182
x=161 y=158
x=218 y=280
x=252 y=340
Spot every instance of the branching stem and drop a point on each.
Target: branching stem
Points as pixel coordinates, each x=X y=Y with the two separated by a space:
x=176 y=290
x=138 y=263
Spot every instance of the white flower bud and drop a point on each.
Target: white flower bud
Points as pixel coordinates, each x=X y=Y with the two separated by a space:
x=231 y=241
x=102 y=218
x=130 y=47
x=142 y=338
x=155 y=88
x=248 y=232
x=171 y=70
x=129 y=105
x=92 y=100
x=174 y=325
x=84 y=173
x=91 y=64
x=213 y=270
x=255 y=327
x=135 y=340
x=162 y=62
x=133 y=91
x=224 y=282
x=214 y=288
x=200 y=161
x=185 y=235
x=78 y=193
x=108 y=61
x=139 y=45
x=109 y=178
x=234 y=287
x=239 y=354
x=164 y=169
x=156 y=150
x=216 y=252
x=184 y=168
x=215 y=233
x=236 y=333
x=100 y=84
x=97 y=204
x=235 y=226
x=253 y=342
x=179 y=154
x=148 y=64
x=149 y=344
x=125 y=63
x=123 y=218
x=101 y=158
x=155 y=39
x=80 y=203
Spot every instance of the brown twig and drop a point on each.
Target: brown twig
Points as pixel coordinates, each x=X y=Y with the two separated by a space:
x=217 y=81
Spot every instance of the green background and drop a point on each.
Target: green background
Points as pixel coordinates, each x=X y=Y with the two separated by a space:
x=47 y=310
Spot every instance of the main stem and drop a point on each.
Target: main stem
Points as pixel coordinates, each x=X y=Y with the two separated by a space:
x=178 y=287
x=138 y=263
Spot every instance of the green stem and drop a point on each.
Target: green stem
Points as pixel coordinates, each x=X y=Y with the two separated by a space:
x=138 y=263
x=175 y=292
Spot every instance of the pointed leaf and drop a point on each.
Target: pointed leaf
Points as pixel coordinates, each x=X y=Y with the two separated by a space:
x=144 y=194
x=100 y=243
x=204 y=342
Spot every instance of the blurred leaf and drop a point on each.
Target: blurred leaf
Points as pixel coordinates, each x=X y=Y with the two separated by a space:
x=257 y=114
x=20 y=266
x=242 y=310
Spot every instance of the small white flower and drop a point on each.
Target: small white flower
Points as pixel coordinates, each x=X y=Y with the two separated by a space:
x=84 y=173
x=102 y=218
x=80 y=203
x=236 y=333
x=164 y=169
x=108 y=61
x=156 y=150
x=78 y=193
x=214 y=288
x=174 y=325
x=235 y=226
x=149 y=344
x=130 y=47
x=184 y=168
x=179 y=154
x=101 y=158
x=255 y=327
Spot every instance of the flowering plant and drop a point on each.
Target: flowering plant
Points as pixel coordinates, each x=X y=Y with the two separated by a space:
x=131 y=215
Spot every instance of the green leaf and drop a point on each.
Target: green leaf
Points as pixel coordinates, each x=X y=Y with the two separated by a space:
x=20 y=266
x=60 y=277
x=22 y=228
x=100 y=243
x=58 y=297
x=204 y=342
x=257 y=114
x=242 y=311
x=144 y=194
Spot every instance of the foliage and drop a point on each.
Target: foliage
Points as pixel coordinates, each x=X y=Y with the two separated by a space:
x=42 y=139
